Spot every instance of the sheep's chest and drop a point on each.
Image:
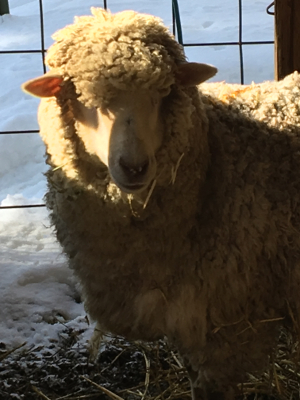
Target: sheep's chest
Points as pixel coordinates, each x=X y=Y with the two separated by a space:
x=132 y=261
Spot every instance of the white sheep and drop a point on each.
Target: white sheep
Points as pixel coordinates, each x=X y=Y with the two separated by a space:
x=178 y=207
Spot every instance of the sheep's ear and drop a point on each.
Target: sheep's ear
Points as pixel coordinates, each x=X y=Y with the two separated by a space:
x=47 y=85
x=192 y=74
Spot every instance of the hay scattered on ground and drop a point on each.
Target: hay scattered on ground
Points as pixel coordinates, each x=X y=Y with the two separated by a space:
x=129 y=371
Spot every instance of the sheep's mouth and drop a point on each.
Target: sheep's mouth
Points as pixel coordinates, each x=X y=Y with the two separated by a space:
x=132 y=188
x=132 y=181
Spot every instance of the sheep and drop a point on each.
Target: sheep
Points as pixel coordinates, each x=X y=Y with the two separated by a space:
x=176 y=204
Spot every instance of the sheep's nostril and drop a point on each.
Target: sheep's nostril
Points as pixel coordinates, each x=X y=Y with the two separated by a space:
x=134 y=170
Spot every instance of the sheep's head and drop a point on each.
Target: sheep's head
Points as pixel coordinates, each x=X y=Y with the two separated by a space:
x=121 y=67
x=126 y=131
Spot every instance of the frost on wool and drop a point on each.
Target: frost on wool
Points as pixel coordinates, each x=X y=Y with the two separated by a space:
x=209 y=258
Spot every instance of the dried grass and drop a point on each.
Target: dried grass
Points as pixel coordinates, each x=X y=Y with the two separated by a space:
x=174 y=170
x=129 y=371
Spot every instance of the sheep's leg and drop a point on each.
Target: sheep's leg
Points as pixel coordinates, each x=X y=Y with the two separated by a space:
x=202 y=390
x=95 y=342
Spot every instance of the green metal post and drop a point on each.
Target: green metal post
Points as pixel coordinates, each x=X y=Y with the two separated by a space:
x=4 y=8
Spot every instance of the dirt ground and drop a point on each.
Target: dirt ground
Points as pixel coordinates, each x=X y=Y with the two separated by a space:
x=125 y=370
x=129 y=371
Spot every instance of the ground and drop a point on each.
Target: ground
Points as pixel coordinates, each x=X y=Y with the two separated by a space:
x=127 y=370
x=147 y=371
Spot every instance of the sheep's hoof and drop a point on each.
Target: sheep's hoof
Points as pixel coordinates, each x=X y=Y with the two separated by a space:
x=200 y=394
x=202 y=390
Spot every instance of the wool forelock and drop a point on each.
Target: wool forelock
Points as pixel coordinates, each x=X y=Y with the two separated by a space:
x=105 y=52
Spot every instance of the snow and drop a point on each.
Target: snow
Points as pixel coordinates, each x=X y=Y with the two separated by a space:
x=39 y=297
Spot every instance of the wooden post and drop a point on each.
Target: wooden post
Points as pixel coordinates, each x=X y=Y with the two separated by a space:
x=4 y=9
x=287 y=37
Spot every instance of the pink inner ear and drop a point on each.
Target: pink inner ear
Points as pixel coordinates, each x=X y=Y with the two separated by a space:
x=192 y=74
x=45 y=86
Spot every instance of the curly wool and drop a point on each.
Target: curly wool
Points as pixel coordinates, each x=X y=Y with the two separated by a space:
x=278 y=108
x=99 y=57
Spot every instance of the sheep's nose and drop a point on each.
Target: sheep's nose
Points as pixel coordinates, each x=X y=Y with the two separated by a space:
x=134 y=171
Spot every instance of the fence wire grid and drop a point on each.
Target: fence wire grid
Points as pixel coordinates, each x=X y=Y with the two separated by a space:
x=177 y=31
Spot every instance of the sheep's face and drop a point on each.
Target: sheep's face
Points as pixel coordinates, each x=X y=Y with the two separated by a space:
x=125 y=135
